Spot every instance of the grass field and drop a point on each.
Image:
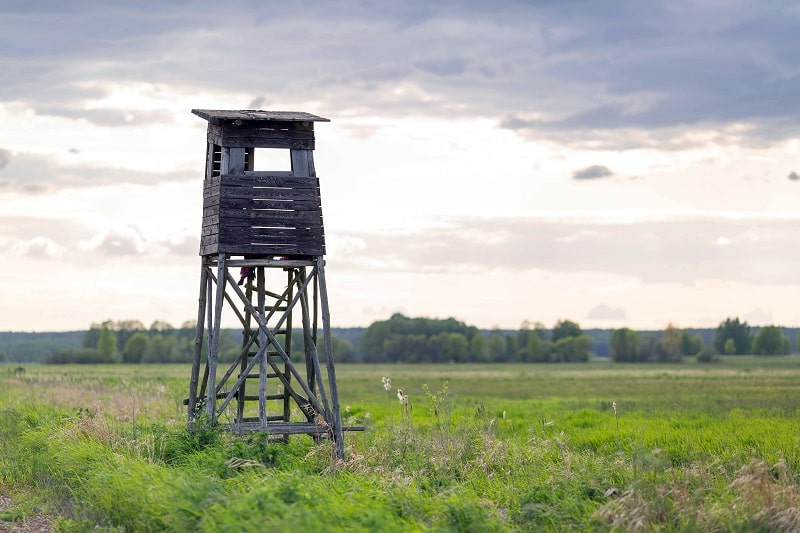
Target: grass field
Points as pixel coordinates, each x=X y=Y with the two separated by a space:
x=589 y=447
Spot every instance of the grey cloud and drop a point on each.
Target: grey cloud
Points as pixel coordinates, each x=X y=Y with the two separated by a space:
x=121 y=242
x=642 y=65
x=108 y=117
x=793 y=176
x=682 y=250
x=38 y=236
x=443 y=67
x=5 y=157
x=188 y=246
x=604 y=312
x=62 y=231
x=259 y=102
x=36 y=174
x=592 y=172
x=39 y=248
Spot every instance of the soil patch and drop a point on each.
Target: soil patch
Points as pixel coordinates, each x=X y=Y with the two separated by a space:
x=37 y=523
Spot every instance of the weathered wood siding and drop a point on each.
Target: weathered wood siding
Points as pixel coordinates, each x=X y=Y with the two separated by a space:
x=262 y=213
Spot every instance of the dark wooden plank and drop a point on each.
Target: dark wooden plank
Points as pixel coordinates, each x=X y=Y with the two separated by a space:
x=246 y=193
x=233 y=238
x=257 y=232
x=211 y=220
x=283 y=204
x=273 y=218
x=248 y=204
x=232 y=161
x=210 y=230
x=210 y=249
x=262 y=135
x=271 y=179
x=301 y=162
x=255 y=249
x=262 y=217
x=299 y=234
x=266 y=239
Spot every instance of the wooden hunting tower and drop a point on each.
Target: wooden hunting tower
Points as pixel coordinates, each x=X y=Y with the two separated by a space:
x=267 y=224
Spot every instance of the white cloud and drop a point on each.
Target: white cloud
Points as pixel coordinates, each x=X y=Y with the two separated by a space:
x=604 y=312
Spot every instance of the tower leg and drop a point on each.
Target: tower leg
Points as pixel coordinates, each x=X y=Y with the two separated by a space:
x=336 y=422
x=198 y=347
x=211 y=391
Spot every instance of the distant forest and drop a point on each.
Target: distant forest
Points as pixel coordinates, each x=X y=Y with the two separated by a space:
x=413 y=340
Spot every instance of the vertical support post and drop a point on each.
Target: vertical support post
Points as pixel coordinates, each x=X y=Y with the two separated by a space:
x=198 y=347
x=338 y=434
x=211 y=392
x=263 y=350
x=233 y=161
x=246 y=334
x=291 y=274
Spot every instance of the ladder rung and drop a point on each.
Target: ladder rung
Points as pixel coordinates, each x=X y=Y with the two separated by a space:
x=271 y=418
x=254 y=398
x=271 y=353
x=271 y=375
x=274 y=332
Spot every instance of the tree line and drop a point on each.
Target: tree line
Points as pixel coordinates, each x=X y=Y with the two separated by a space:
x=130 y=342
x=429 y=340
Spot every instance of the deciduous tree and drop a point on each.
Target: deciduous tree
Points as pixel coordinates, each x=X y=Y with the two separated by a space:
x=135 y=348
x=107 y=343
x=738 y=332
x=770 y=340
x=624 y=345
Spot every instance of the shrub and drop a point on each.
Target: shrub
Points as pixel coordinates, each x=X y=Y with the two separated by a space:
x=707 y=355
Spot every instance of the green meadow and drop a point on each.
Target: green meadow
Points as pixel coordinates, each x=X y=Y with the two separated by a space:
x=512 y=447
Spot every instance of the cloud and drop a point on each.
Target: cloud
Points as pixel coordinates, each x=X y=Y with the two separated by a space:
x=601 y=68
x=109 y=117
x=118 y=241
x=793 y=176
x=36 y=248
x=675 y=250
x=592 y=172
x=259 y=102
x=39 y=174
x=443 y=67
x=5 y=157
x=758 y=317
x=604 y=312
x=188 y=245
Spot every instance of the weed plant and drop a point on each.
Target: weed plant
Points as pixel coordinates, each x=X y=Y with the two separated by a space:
x=461 y=448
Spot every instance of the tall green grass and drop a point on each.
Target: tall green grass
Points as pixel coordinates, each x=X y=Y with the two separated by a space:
x=479 y=448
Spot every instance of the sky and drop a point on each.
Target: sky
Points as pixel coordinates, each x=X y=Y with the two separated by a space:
x=614 y=163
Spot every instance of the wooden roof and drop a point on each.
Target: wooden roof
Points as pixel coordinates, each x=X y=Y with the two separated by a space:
x=220 y=117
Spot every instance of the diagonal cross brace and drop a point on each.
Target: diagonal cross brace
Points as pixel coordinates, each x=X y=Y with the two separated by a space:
x=272 y=340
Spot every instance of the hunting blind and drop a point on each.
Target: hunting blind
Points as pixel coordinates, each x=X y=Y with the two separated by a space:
x=267 y=224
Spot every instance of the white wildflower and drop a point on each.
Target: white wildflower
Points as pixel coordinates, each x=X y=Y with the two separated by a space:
x=403 y=398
